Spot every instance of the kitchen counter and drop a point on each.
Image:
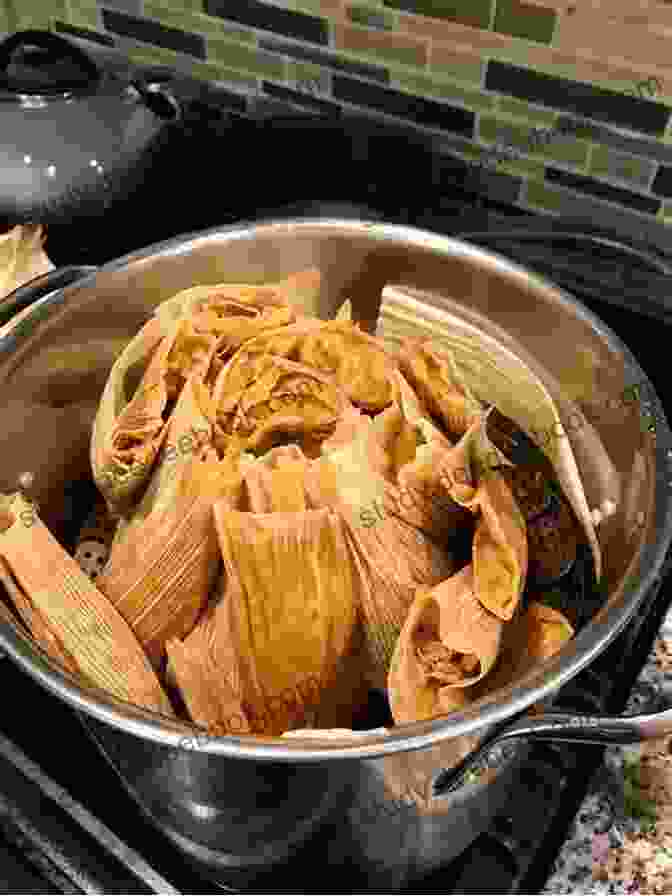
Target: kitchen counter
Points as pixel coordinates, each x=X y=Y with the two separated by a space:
x=605 y=835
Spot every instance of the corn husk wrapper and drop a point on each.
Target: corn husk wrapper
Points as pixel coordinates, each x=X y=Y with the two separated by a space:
x=160 y=578
x=493 y=375
x=358 y=362
x=392 y=557
x=90 y=630
x=22 y=257
x=260 y=401
x=119 y=468
x=548 y=630
x=533 y=636
x=275 y=483
x=126 y=438
x=36 y=624
x=435 y=377
x=205 y=667
x=164 y=560
x=294 y=620
x=299 y=291
x=189 y=433
x=391 y=560
x=500 y=540
x=344 y=313
x=419 y=451
x=448 y=642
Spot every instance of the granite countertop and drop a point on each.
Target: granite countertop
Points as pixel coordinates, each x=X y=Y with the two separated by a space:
x=621 y=839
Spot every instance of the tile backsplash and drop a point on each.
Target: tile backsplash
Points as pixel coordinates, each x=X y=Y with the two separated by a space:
x=569 y=100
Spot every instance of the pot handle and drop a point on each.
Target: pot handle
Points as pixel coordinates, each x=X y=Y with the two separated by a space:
x=564 y=727
x=46 y=40
x=40 y=287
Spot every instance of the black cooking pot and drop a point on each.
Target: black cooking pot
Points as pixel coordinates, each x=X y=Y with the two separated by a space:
x=76 y=136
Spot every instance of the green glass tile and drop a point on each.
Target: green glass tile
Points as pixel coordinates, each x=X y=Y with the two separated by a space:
x=23 y=14
x=461 y=70
x=540 y=196
x=523 y=167
x=152 y=54
x=307 y=76
x=246 y=58
x=6 y=23
x=193 y=21
x=666 y=210
x=401 y=55
x=472 y=151
x=372 y=17
x=211 y=71
x=520 y=109
x=562 y=148
x=418 y=84
x=523 y=20
x=607 y=162
x=190 y=5
x=467 y=12
x=78 y=12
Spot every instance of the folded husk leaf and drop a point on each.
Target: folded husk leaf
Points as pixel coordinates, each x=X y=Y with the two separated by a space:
x=160 y=578
x=36 y=624
x=104 y=648
x=426 y=677
x=500 y=541
x=548 y=630
x=126 y=444
x=536 y=634
x=205 y=668
x=165 y=558
x=494 y=375
x=267 y=399
x=119 y=472
x=295 y=621
x=435 y=378
x=420 y=451
x=22 y=257
x=358 y=361
x=275 y=483
x=390 y=560
x=299 y=292
x=188 y=435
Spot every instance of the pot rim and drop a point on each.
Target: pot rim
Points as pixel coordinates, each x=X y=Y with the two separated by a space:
x=485 y=712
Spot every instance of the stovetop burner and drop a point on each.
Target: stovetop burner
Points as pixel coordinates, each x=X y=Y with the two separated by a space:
x=66 y=825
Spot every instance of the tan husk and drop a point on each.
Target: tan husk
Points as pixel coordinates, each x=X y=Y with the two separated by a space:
x=119 y=471
x=548 y=630
x=164 y=562
x=22 y=257
x=500 y=540
x=299 y=292
x=494 y=375
x=391 y=560
x=448 y=642
x=358 y=362
x=205 y=668
x=295 y=620
x=84 y=622
x=268 y=399
x=36 y=624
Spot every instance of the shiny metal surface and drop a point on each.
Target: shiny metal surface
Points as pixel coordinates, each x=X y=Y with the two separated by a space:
x=188 y=792
x=77 y=147
x=566 y=728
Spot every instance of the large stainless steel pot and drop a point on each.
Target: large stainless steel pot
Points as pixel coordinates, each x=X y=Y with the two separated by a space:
x=236 y=805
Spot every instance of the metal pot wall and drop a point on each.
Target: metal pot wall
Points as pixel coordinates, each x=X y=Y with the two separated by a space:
x=235 y=805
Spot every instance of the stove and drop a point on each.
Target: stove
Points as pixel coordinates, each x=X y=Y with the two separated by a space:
x=66 y=824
